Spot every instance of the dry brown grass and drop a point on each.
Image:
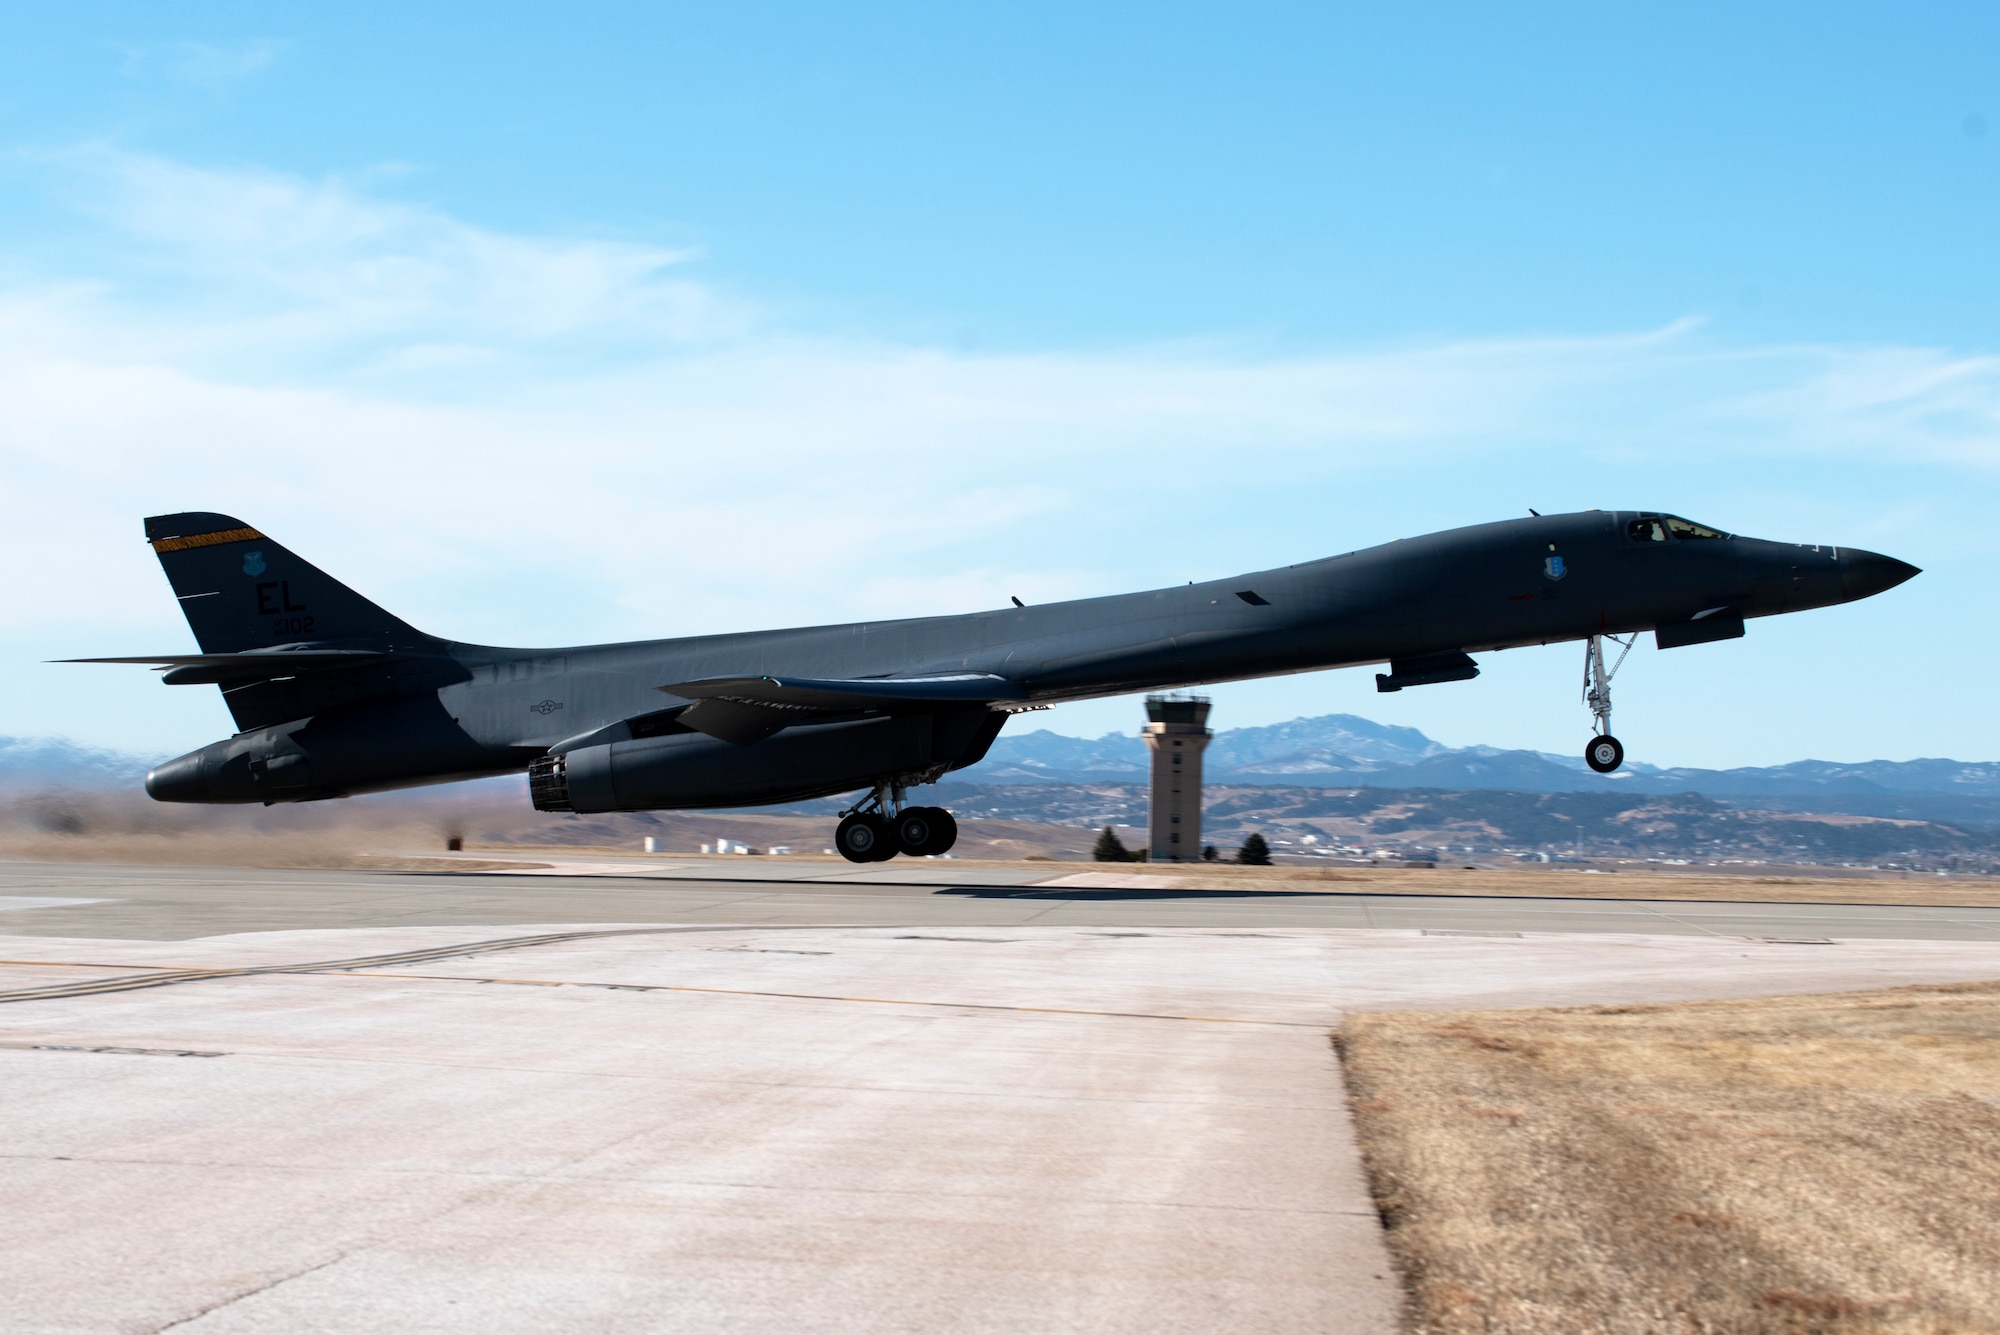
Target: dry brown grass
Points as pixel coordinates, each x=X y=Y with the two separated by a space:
x=1797 y=1164
x=1802 y=885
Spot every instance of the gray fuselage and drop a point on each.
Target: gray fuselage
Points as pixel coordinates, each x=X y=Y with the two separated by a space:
x=487 y=710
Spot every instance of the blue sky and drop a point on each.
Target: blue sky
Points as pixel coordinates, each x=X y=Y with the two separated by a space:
x=649 y=321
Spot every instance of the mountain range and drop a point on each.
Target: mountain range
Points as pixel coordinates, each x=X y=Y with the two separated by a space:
x=1329 y=751
x=1345 y=750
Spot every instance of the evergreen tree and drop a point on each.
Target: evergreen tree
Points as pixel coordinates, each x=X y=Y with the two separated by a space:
x=1109 y=849
x=1210 y=853
x=1255 y=852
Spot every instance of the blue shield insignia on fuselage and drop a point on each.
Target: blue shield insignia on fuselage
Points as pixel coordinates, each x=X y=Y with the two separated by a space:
x=1554 y=568
x=253 y=564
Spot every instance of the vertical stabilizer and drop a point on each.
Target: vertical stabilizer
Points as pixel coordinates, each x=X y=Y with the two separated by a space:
x=240 y=590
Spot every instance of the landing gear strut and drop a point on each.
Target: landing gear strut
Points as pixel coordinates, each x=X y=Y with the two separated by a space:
x=1605 y=752
x=879 y=826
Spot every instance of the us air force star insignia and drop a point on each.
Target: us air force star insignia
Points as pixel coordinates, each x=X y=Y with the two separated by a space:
x=253 y=564
x=1554 y=568
x=546 y=707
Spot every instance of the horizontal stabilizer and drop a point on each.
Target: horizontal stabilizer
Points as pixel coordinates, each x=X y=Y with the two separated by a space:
x=205 y=669
x=852 y=692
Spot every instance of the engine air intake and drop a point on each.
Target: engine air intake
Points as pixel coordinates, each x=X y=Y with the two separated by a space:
x=548 y=784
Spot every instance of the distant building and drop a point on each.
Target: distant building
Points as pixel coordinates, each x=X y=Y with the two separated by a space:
x=1176 y=733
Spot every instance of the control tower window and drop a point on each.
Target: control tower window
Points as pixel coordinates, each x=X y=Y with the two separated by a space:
x=1649 y=529
x=1683 y=528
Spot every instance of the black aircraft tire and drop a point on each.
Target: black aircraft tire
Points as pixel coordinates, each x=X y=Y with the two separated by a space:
x=888 y=848
x=863 y=837
x=916 y=830
x=1604 y=754
x=925 y=831
x=937 y=834
x=944 y=831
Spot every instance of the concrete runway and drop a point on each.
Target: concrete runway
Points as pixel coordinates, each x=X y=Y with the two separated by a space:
x=246 y=1100
x=173 y=903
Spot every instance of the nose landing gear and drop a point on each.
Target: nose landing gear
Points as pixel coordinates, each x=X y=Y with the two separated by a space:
x=1605 y=752
x=879 y=827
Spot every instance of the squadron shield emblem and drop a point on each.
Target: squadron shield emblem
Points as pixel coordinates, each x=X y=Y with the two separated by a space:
x=253 y=564
x=1554 y=568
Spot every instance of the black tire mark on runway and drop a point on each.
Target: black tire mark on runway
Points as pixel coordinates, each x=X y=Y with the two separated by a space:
x=863 y=1001
x=135 y=982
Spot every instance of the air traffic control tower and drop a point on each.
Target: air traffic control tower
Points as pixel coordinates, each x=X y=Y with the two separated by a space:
x=1176 y=733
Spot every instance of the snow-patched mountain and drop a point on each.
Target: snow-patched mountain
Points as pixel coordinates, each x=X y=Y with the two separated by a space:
x=1337 y=750
x=1330 y=743
x=1328 y=748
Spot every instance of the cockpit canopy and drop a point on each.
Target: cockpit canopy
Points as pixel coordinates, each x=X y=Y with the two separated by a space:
x=1665 y=528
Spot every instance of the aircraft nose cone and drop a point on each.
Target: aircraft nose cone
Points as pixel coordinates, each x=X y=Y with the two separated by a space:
x=1865 y=574
x=178 y=780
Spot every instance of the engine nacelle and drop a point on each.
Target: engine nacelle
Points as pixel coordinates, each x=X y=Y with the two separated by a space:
x=692 y=769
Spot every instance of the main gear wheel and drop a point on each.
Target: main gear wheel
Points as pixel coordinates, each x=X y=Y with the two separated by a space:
x=865 y=837
x=924 y=832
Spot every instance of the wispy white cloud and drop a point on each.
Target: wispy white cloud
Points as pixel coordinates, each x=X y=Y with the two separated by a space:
x=296 y=273
x=1915 y=404
x=209 y=66
x=787 y=479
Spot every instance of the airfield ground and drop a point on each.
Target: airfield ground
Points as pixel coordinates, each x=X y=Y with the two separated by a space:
x=735 y=1094
x=1738 y=883
x=1816 y=1163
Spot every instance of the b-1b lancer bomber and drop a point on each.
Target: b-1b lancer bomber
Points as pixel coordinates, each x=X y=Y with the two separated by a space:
x=332 y=695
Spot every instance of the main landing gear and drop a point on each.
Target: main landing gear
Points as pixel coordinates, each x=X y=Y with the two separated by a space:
x=880 y=826
x=1605 y=752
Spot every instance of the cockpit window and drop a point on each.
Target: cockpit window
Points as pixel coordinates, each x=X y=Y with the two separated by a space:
x=1686 y=528
x=1663 y=528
